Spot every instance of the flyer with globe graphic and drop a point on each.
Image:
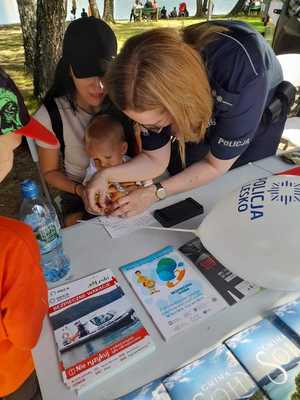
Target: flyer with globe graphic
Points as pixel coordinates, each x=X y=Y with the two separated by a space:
x=174 y=294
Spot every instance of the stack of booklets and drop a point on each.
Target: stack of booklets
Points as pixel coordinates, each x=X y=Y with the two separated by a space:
x=96 y=330
x=260 y=362
x=287 y=318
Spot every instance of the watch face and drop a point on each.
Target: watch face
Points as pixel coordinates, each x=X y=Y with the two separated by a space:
x=161 y=193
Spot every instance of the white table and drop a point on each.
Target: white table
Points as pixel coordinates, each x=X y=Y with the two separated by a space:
x=274 y=164
x=91 y=249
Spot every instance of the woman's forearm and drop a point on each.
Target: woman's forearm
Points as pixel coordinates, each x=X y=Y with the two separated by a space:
x=146 y=165
x=198 y=174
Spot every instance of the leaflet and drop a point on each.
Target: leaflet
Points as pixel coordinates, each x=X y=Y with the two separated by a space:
x=230 y=286
x=96 y=330
x=174 y=294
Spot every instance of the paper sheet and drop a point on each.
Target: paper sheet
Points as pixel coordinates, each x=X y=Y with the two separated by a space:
x=117 y=227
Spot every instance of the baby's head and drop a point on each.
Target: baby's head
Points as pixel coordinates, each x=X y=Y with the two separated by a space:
x=105 y=141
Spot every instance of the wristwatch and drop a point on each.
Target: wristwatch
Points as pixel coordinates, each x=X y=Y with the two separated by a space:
x=160 y=191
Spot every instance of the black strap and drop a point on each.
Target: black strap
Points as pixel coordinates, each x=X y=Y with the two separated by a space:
x=281 y=103
x=56 y=122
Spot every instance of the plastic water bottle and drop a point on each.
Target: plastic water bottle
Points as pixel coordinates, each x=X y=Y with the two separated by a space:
x=41 y=216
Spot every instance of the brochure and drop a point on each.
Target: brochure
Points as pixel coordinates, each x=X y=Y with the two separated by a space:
x=217 y=375
x=96 y=330
x=230 y=286
x=154 y=390
x=175 y=295
x=270 y=357
x=288 y=319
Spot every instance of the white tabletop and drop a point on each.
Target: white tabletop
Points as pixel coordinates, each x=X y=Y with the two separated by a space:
x=275 y=164
x=91 y=249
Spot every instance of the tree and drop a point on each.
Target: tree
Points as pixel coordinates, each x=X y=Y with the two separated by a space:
x=201 y=6
x=50 y=28
x=27 y=12
x=108 y=11
x=239 y=6
x=94 y=8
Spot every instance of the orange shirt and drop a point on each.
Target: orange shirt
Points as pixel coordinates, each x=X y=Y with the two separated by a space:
x=23 y=303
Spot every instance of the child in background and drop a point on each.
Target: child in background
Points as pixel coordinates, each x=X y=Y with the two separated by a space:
x=23 y=292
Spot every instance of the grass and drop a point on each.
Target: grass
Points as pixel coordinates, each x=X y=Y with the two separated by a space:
x=12 y=52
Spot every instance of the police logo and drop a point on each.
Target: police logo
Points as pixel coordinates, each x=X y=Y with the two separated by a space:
x=285 y=192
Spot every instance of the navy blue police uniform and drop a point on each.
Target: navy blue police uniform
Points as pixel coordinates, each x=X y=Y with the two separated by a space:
x=244 y=75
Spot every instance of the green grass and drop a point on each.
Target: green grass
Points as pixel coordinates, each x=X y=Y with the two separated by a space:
x=12 y=52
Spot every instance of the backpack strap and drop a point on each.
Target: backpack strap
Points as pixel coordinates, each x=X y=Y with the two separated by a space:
x=56 y=122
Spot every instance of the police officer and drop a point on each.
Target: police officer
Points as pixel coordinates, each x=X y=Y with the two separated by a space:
x=207 y=100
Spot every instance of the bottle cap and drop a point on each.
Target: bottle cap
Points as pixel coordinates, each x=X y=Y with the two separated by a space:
x=29 y=189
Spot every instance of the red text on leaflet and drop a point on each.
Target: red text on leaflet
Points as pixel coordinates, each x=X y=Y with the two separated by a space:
x=81 y=296
x=107 y=353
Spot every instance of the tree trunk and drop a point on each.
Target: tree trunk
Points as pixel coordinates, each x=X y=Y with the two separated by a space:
x=199 y=9
x=239 y=6
x=94 y=11
x=108 y=11
x=51 y=15
x=27 y=12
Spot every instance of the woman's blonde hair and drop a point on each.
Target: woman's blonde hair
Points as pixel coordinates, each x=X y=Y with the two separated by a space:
x=161 y=69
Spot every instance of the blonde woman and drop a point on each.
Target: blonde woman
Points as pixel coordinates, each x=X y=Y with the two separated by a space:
x=201 y=99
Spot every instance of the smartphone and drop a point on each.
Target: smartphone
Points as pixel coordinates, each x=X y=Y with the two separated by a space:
x=178 y=212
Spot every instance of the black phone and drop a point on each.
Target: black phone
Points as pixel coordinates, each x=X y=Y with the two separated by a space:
x=178 y=212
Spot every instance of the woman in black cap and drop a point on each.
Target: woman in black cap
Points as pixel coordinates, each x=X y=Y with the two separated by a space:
x=75 y=97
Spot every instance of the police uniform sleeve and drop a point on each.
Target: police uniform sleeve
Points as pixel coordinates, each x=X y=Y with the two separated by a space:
x=237 y=118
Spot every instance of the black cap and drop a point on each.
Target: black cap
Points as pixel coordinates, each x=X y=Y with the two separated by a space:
x=14 y=117
x=89 y=46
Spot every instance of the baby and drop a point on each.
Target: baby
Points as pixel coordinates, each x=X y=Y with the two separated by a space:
x=106 y=144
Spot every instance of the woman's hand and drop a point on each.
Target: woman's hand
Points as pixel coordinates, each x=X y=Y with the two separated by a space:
x=96 y=192
x=135 y=202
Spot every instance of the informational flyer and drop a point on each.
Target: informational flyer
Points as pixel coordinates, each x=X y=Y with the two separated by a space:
x=175 y=295
x=230 y=286
x=96 y=330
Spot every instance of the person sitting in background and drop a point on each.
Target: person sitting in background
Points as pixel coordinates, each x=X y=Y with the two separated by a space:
x=163 y=13
x=136 y=11
x=148 y=4
x=173 y=13
x=84 y=13
x=23 y=291
x=182 y=10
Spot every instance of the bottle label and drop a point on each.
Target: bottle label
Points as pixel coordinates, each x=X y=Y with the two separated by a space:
x=48 y=237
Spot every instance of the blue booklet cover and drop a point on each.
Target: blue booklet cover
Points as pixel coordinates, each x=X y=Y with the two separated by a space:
x=154 y=390
x=288 y=318
x=270 y=357
x=215 y=376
